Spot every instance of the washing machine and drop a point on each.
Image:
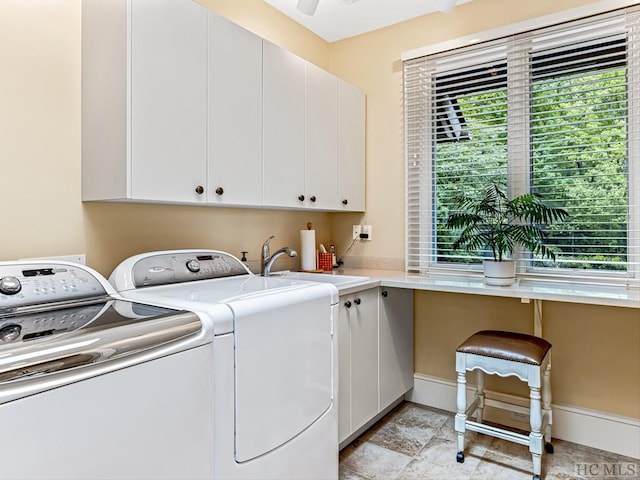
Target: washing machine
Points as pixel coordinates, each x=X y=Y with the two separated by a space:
x=274 y=367
x=93 y=386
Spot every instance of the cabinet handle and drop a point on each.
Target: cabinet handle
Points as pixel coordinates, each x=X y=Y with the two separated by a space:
x=357 y=301
x=347 y=304
x=199 y=189
x=313 y=198
x=384 y=293
x=301 y=198
x=219 y=191
x=345 y=201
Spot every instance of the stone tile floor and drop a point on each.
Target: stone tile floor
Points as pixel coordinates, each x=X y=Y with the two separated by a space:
x=414 y=442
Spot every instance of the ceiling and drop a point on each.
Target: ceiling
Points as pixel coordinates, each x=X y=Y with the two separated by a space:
x=338 y=19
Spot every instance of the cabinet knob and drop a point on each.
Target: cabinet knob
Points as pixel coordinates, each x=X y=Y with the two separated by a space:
x=357 y=301
x=345 y=201
x=219 y=191
x=199 y=189
x=384 y=293
x=312 y=198
x=301 y=198
x=347 y=304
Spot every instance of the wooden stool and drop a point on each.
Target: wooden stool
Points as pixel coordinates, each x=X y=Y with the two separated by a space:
x=506 y=354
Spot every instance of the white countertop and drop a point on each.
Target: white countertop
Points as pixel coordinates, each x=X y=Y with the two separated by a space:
x=617 y=296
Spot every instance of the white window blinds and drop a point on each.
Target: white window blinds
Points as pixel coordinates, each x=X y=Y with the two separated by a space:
x=555 y=112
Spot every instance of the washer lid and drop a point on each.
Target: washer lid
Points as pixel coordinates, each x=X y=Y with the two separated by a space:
x=44 y=341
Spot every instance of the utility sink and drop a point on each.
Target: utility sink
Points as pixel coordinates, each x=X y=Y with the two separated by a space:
x=337 y=280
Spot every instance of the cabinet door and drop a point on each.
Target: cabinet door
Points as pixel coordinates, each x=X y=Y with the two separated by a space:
x=396 y=343
x=363 y=322
x=321 y=185
x=235 y=114
x=352 y=148
x=168 y=80
x=283 y=126
x=344 y=372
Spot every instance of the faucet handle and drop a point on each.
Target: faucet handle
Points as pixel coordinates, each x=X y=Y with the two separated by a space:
x=266 y=242
x=265 y=247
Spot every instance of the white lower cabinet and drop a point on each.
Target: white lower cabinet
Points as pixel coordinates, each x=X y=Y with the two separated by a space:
x=375 y=354
x=395 y=326
x=358 y=397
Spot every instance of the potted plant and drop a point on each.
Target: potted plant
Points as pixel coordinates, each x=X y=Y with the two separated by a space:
x=497 y=223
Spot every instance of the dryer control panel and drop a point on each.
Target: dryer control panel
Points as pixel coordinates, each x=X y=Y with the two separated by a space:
x=177 y=267
x=27 y=284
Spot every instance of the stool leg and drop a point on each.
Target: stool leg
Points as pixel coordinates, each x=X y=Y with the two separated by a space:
x=480 y=395
x=546 y=406
x=461 y=415
x=535 y=436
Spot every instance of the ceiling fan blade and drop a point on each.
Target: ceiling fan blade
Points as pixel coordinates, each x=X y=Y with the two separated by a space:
x=308 y=7
x=445 y=6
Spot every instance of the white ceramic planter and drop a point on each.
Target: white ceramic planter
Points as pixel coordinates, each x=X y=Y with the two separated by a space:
x=499 y=273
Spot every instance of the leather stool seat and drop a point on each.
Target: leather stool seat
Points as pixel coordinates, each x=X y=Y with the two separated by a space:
x=501 y=353
x=517 y=347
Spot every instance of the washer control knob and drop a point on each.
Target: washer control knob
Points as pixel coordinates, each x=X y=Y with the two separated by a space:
x=9 y=332
x=193 y=266
x=10 y=285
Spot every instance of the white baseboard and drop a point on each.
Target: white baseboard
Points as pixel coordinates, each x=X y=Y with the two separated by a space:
x=613 y=433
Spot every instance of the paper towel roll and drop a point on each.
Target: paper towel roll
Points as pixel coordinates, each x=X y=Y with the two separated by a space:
x=308 y=249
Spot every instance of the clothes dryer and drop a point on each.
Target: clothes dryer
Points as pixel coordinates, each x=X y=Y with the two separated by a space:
x=274 y=368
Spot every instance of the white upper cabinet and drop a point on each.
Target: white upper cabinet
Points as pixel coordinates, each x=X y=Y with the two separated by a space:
x=321 y=177
x=168 y=99
x=182 y=106
x=352 y=148
x=235 y=114
x=144 y=94
x=283 y=127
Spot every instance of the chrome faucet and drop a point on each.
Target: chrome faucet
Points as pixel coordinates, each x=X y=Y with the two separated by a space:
x=266 y=263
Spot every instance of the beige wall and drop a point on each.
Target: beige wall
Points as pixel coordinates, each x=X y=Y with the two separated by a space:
x=42 y=213
x=596 y=349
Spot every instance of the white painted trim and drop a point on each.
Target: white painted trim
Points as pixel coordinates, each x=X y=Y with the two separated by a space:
x=605 y=431
x=519 y=27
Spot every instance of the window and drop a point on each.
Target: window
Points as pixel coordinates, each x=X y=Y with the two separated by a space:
x=555 y=112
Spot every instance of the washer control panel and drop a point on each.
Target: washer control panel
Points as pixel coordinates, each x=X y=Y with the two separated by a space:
x=32 y=284
x=167 y=268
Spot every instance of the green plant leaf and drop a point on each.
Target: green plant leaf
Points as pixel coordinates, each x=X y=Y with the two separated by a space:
x=495 y=222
